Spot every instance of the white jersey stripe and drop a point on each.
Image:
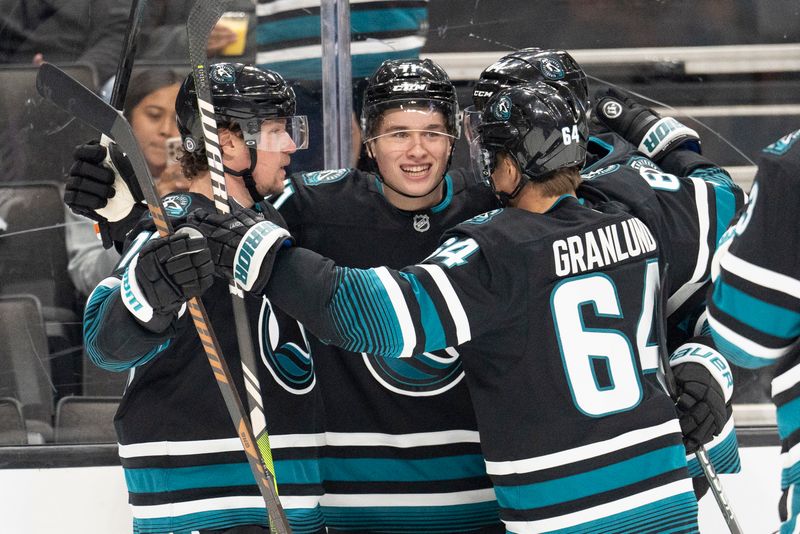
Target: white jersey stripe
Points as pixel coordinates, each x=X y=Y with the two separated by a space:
x=180 y=448
x=760 y=276
x=785 y=381
x=288 y=441
x=175 y=509
x=701 y=266
x=403 y=441
x=372 y=46
x=604 y=510
x=295 y=502
x=408 y=499
x=454 y=306
x=401 y=311
x=747 y=345
x=583 y=452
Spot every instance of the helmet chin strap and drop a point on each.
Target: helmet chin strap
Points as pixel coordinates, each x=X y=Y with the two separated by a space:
x=506 y=198
x=247 y=176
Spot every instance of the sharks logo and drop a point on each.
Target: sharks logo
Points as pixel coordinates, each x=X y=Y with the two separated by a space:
x=552 y=68
x=177 y=205
x=223 y=73
x=424 y=375
x=484 y=217
x=783 y=144
x=502 y=108
x=324 y=177
x=289 y=363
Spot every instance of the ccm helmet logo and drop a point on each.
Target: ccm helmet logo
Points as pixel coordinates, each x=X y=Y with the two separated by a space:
x=611 y=109
x=409 y=86
x=482 y=93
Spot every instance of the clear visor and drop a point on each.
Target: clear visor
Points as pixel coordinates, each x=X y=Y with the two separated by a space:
x=471 y=120
x=277 y=135
x=481 y=160
x=412 y=115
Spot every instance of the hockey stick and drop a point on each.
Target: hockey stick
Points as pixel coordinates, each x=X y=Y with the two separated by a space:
x=672 y=390
x=202 y=18
x=64 y=91
x=117 y=99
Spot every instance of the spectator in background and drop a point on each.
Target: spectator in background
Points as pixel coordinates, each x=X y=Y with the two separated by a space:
x=150 y=108
x=79 y=31
x=288 y=39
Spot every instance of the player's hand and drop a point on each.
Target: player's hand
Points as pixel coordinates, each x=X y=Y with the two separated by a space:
x=702 y=410
x=653 y=135
x=92 y=186
x=167 y=272
x=243 y=244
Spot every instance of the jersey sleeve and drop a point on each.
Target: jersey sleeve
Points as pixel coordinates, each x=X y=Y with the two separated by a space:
x=448 y=299
x=113 y=339
x=754 y=307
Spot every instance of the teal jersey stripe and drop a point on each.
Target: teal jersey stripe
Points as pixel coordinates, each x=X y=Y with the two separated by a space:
x=212 y=520
x=158 y=480
x=736 y=355
x=674 y=514
x=726 y=209
x=377 y=20
x=363 y=65
x=414 y=519
x=306 y=471
x=610 y=477
x=305 y=520
x=788 y=416
x=434 y=331
x=724 y=457
x=448 y=197
x=392 y=470
x=773 y=320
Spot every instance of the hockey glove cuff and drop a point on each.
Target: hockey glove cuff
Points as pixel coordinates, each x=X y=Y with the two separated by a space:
x=101 y=185
x=653 y=135
x=167 y=272
x=243 y=245
x=703 y=403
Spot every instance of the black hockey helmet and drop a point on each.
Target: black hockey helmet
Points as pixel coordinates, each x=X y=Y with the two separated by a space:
x=401 y=83
x=542 y=127
x=241 y=94
x=531 y=65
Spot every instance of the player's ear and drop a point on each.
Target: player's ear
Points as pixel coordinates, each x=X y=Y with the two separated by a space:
x=227 y=143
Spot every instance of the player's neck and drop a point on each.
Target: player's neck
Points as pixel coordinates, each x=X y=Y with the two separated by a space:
x=534 y=200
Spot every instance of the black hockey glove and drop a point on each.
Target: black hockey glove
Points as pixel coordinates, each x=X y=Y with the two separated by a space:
x=243 y=245
x=101 y=187
x=653 y=135
x=167 y=272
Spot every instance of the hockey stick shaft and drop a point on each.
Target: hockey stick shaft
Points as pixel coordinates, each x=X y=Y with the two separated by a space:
x=669 y=378
x=202 y=18
x=68 y=94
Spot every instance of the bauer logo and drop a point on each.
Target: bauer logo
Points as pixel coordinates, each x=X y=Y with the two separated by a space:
x=783 y=144
x=223 y=73
x=502 y=108
x=423 y=375
x=552 y=68
x=248 y=248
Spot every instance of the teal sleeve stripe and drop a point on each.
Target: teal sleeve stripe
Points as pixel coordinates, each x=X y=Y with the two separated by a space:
x=713 y=175
x=406 y=470
x=434 y=331
x=363 y=314
x=788 y=416
x=724 y=457
x=305 y=520
x=736 y=355
x=770 y=319
x=611 y=477
x=93 y=315
x=414 y=519
x=305 y=471
x=157 y=480
x=377 y=20
x=726 y=209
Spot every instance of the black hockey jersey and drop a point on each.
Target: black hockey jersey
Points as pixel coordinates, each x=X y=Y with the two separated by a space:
x=184 y=465
x=754 y=309
x=553 y=315
x=401 y=446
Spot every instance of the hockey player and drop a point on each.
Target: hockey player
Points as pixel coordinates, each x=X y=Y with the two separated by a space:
x=184 y=464
x=754 y=309
x=552 y=304
x=431 y=476
x=629 y=146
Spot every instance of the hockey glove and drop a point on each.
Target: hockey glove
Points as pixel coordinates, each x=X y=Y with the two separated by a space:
x=167 y=272
x=101 y=185
x=243 y=245
x=653 y=135
x=704 y=389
